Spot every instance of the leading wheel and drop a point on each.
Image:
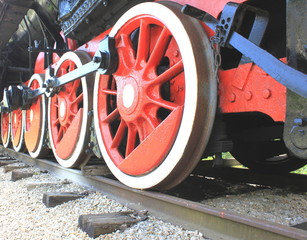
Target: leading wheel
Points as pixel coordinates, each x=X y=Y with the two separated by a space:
x=5 y=129
x=36 y=121
x=266 y=157
x=17 y=130
x=154 y=115
x=69 y=116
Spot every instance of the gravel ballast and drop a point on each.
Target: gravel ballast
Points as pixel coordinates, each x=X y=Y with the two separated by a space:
x=24 y=216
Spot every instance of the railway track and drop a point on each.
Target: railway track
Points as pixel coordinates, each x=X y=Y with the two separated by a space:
x=213 y=222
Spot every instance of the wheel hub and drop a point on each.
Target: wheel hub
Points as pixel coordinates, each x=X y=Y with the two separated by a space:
x=62 y=109
x=15 y=119
x=129 y=98
x=128 y=95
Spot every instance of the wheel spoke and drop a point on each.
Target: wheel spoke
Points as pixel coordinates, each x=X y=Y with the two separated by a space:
x=145 y=127
x=112 y=116
x=72 y=66
x=169 y=74
x=159 y=49
x=152 y=121
x=60 y=134
x=127 y=52
x=131 y=139
x=165 y=104
x=143 y=43
x=119 y=134
x=56 y=122
x=109 y=92
x=78 y=99
x=75 y=85
x=62 y=71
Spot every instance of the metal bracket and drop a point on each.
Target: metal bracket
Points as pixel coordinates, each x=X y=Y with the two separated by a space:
x=228 y=24
x=105 y=62
x=15 y=97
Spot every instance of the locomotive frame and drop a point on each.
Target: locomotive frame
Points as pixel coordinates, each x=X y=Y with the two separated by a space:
x=171 y=82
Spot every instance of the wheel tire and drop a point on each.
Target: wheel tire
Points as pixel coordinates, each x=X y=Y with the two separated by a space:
x=6 y=129
x=36 y=121
x=17 y=130
x=152 y=135
x=69 y=117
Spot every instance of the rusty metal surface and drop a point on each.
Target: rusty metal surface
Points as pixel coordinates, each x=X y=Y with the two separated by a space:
x=212 y=222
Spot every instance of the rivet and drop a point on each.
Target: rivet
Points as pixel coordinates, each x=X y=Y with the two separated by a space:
x=176 y=53
x=248 y=95
x=266 y=93
x=232 y=97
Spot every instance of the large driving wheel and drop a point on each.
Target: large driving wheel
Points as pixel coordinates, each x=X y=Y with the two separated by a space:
x=17 y=130
x=154 y=115
x=36 y=121
x=69 y=113
x=5 y=129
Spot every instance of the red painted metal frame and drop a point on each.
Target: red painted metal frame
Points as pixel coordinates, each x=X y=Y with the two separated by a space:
x=246 y=88
x=243 y=89
x=249 y=89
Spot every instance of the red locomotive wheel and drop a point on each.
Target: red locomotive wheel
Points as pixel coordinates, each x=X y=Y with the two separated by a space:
x=153 y=117
x=5 y=129
x=68 y=113
x=36 y=121
x=17 y=130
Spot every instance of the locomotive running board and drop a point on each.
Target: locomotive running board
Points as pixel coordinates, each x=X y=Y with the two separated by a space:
x=291 y=78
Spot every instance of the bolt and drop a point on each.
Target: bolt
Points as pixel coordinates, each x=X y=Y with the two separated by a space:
x=248 y=95
x=232 y=97
x=89 y=151
x=96 y=59
x=176 y=53
x=266 y=93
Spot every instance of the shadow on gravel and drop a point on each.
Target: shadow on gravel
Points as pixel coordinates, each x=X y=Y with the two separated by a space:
x=198 y=188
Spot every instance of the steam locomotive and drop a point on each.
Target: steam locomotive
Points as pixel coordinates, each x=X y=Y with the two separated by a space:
x=152 y=87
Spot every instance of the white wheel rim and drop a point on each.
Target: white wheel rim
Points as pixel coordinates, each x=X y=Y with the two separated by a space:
x=21 y=142
x=79 y=58
x=43 y=133
x=7 y=142
x=169 y=19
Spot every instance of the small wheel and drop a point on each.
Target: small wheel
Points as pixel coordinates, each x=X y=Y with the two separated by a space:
x=5 y=129
x=154 y=115
x=266 y=157
x=69 y=113
x=17 y=130
x=36 y=121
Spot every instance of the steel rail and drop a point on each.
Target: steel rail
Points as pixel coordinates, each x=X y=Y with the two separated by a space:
x=212 y=222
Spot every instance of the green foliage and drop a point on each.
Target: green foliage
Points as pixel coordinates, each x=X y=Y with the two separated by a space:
x=302 y=170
